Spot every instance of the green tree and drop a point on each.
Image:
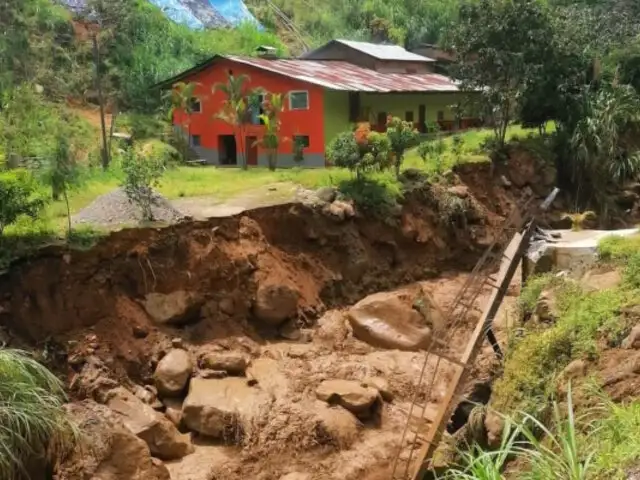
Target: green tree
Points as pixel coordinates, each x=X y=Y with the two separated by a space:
x=62 y=172
x=402 y=135
x=271 y=140
x=142 y=174
x=19 y=195
x=34 y=424
x=602 y=148
x=235 y=108
x=500 y=45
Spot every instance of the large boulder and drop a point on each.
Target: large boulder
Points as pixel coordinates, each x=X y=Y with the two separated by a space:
x=234 y=363
x=388 y=320
x=175 y=308
x=173 y=372
x=108 y=450
x=349 y=395
x=275 y=303
x=215 y=407
x=155 y=429
x=546 y=309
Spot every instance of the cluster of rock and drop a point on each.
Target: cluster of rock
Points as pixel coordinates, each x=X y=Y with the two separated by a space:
x=328 y=200
x=211 y=392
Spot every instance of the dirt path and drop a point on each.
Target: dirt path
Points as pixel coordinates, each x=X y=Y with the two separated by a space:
x=205 y=207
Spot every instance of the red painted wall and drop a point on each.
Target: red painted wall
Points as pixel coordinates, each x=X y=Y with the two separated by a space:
x=294 y=122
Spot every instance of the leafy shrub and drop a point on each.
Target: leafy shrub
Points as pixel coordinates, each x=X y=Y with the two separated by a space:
x=142 y=127
x=142 y=174
x=164 y=153
x=361 y=151
x=20 y=194
x=376 y=194
x=457 y=147
x=401 y=135
x=433 y=150
x=343 y=151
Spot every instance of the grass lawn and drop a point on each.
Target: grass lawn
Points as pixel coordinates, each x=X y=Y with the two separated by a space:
x=225 y=183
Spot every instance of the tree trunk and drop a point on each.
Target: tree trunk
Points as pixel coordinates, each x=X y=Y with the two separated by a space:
x=104 y=150
x=243 y=148
x=66 y=201
x=273 y=160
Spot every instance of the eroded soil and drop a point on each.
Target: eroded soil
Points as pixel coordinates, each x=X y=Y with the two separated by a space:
x=87 y=307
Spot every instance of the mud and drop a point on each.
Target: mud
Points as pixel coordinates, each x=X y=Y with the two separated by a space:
x=84 y=305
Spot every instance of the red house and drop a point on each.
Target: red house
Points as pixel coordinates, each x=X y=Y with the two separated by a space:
x=325 y=93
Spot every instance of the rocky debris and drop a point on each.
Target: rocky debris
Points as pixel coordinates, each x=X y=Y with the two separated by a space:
x=494 y=426
x=233 y=363
x=339 y=210
x=217 y=408
x=147 y=395
x=162 y=437
x=633 y=339
x=327 y=194
x=546 y=309
x=387 y=320
x=338 y=425
x=348 y=394
x=460 y=191
x=227 y=306
x=114 y=451
x=114 y=208
x=296 y=476
x=381 y=385
x=275 y=303
x=206 y=373
x=265 y=373
x=175 y=308
x=139 y=331
x=93 y=380
x=522 y=168
x=596 y=281
x=173 y=372
x=576 y=369
x=173 y=411
x=290 y=331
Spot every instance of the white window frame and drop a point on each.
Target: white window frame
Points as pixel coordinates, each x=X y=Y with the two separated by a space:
x=198 y=102
x=306 y=92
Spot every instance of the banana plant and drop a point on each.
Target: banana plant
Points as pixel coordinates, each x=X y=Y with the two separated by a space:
x=271 y=140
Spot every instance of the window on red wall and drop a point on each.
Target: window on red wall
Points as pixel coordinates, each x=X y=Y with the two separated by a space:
x=299 y=100
x=301 y=141
x=195 y=105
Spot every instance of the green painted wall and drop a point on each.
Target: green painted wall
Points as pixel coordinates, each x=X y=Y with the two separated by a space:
x=336 y=114
x=398 y=104
x=336 y=108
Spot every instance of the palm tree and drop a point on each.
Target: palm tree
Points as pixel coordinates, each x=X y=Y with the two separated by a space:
x=235 y=108
x=270 y=141
x=182 y=98
x=33 y=423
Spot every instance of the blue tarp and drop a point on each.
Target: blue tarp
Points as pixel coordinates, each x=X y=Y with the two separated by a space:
x=233 y=11
x=198 y=13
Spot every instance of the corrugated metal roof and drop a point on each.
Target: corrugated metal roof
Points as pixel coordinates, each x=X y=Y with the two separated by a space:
x=339 y=75
x=385 y=52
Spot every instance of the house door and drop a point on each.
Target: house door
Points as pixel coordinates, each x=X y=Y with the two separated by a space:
x=252 y=150
x=422 y=118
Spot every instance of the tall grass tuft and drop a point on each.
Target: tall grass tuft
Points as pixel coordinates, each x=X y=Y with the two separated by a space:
x=33 y=423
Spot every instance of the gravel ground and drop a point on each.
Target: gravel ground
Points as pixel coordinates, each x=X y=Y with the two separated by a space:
x=114 y=208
